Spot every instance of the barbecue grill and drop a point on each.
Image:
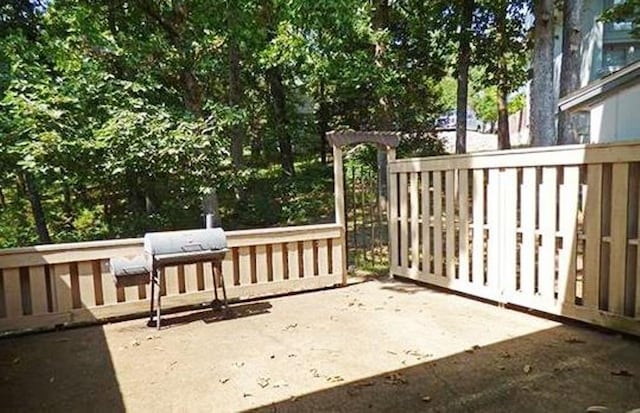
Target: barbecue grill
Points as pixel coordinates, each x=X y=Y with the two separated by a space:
x=163 y=249
x=129 y=271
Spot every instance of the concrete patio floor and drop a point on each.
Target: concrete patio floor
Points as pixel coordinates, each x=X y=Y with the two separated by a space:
x=375 y=346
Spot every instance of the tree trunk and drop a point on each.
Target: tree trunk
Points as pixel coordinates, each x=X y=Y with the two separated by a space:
x=36 y=208
x=542 y=101
x=278 y=95
x=67 y=206
x=191 y=88
x=323 y=123
x=280 y=117
x=381 y=22
x=256 y=147
x=464 y=61
x=3 y=201
x=235 y=90
x=570 y=72
x=504 y=141
x=502 y=76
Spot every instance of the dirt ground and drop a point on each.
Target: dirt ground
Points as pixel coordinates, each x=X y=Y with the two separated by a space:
x=376 y=346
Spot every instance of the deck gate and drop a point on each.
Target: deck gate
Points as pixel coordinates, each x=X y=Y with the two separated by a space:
x=554 y=229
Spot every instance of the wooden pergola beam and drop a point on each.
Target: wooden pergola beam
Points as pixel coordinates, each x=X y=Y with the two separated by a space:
x=385 y=139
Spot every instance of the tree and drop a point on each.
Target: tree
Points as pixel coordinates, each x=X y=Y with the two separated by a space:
x=464 y=61
x=542 y=100
x=570 y=70
x=501 y=42
x=235 y=93
x=120 y=116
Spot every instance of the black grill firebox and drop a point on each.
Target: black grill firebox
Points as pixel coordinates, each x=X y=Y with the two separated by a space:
x=163 y=249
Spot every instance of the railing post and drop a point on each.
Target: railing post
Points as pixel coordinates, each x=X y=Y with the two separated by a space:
x=338 y=185
x=391 y=206
x=338 y=193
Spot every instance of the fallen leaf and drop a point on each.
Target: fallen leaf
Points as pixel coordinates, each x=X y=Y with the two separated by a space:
x=395 y=379
x=418 y=355
x=426 y=399
x=595 y=409
x=622 y=373
x=52 y=379
x=527 y=368
x=16 y=360
x=334 y=379
x=364 y=384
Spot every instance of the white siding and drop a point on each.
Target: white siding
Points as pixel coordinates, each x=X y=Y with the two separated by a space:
x=616 y=117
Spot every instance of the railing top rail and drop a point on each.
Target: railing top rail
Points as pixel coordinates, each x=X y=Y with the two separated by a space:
x=538 y=156
x=95 y=250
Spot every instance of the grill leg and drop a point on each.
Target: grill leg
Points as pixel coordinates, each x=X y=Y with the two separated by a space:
x=158 y=297
x=218 y=268
x=215 y=304
x=152 y=299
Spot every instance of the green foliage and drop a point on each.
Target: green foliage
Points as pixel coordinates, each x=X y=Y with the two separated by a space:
x=448 y=87
x=121 y=112
x=517 y=103
x=485 y=104
x=627 y=11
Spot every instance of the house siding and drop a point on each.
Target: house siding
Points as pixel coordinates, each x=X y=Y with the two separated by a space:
x=616 y=117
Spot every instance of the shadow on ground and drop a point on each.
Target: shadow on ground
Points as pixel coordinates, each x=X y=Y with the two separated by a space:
x=208 y=316
x=58 y=372
x=72 y=370
x=563 y=369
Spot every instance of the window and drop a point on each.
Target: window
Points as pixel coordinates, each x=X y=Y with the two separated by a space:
x=617 y=55
x=614 y=29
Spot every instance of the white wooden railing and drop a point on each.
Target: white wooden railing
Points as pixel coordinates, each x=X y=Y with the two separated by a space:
x=552 y=229
x=62 y=284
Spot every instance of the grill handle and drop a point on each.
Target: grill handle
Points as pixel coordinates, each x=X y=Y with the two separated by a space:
x=193 y=247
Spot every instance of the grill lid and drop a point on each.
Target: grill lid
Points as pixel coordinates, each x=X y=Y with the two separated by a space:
x=188 y=243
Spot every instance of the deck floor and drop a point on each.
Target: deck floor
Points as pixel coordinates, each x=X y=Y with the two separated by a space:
x=375 y=346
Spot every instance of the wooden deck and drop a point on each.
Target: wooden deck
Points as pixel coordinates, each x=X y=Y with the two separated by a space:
x=377 y=346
